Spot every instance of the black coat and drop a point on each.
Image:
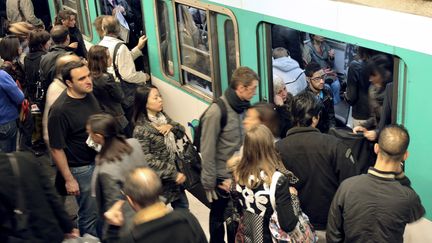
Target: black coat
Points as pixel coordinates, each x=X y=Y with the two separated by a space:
x=110 y=95
x=31 y=70
x=48 y=220
x=48 y=63
x=179 y=226
x=76 y=36
x=357 y=90
x=373 y=208
x=321 y=162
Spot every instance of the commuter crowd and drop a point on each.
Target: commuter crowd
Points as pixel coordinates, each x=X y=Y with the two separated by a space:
x=270 y=172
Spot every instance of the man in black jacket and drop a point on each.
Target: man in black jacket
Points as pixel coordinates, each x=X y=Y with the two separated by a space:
x=320 y=161
x=315 y=76
x=47 y=219
x=154 y=221
x=60 y=37
x=377 y=205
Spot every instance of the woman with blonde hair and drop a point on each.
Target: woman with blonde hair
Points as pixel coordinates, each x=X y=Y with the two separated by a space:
x=253 y=175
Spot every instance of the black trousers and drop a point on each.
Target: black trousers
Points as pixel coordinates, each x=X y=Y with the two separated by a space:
x=222 y=210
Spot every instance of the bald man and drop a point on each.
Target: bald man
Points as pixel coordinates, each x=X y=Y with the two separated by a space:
x=54 y=91
x=378 y=205
x=154 y=221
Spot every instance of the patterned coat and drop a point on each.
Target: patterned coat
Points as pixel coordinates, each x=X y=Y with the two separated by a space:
x=157 y=155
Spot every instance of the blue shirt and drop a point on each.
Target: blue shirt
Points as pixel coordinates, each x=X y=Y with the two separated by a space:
x=10 y=97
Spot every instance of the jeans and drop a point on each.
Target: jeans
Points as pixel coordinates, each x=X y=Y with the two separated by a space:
x=182 y=202
x=220 y=210
x=87 y=209
x=335 y=87
x=8 y=137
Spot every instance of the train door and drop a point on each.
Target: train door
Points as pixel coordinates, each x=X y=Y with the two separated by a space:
x=299 y=45
x=132 y=12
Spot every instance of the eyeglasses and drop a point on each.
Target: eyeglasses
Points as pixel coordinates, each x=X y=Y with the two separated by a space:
x=318 y=78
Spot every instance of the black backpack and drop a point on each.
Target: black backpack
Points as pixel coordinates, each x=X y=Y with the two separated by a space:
x=197 y=129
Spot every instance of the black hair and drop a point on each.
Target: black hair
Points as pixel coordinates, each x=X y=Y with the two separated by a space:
x=305 y=106
x=141 y=97
x=37 y=39
x=67 y=69
x=311 y=68
x=9 y=48
x=115 y=145
x=393 y=142
x=380 y=64
x=59 y=34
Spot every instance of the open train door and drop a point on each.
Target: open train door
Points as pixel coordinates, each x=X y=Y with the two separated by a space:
x=133 y=13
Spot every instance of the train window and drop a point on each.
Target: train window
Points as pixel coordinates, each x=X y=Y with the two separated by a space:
x=194 y=47
x=164 y=38
x=291 y=50
x=230 y=47
x=81 y=8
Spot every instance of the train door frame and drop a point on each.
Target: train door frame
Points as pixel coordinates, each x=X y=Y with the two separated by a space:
x=216 y=47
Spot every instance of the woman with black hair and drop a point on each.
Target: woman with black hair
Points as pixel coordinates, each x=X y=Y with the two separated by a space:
x=379 y=71
x=158 y=135
x=117 y=157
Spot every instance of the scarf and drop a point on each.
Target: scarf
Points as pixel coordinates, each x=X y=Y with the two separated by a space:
x=235 y=102
x=170 y=139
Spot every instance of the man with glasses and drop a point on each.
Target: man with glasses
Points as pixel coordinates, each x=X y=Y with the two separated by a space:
x=315 y=76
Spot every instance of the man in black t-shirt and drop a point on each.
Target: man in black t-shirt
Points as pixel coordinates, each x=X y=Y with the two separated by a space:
x=67 y=137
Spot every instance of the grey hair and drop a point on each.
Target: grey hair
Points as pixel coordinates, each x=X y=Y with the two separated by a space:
x=279 y=52
x=278 y=84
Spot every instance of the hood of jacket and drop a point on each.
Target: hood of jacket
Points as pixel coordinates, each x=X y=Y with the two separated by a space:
x=285 y=64
x=33 y=56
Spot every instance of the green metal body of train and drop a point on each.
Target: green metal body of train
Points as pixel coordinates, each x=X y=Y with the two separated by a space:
x=230 y=33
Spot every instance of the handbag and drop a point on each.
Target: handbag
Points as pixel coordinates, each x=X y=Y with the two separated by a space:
x=129 y=89
x=189 y=163
x=303 y=231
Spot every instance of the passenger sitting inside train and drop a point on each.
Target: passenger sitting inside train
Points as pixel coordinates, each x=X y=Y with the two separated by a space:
x=289 y=70
x=377 y=205
x=317 y=50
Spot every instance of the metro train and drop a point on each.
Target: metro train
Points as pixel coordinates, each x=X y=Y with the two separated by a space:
x=193 y=47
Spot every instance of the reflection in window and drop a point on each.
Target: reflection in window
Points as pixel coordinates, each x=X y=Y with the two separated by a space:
x=164 y=38
x=230 y=47
x=75 y=6
x=194 y=47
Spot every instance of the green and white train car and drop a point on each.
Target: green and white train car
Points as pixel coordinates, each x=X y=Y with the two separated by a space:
x=237 y=33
